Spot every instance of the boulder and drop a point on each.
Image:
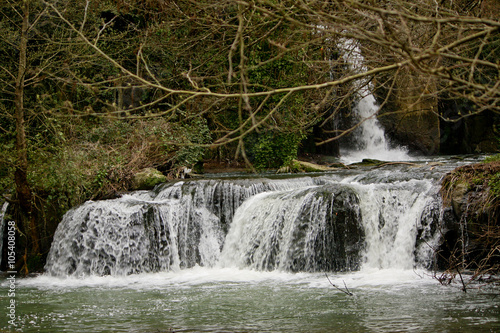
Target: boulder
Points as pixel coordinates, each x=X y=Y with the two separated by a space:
x=147 y=178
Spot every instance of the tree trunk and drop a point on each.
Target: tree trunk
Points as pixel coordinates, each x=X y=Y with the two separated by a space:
x=23 y=189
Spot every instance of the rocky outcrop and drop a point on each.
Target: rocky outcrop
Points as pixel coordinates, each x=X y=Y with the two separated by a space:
x=416 y=114
x=472 y=195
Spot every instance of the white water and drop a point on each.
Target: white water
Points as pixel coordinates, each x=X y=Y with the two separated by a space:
x=295 y=230
x=370 y=141
x=291 y=225
x=182 y=225
x=203 y=299
x=392 y=215
x=197 y=276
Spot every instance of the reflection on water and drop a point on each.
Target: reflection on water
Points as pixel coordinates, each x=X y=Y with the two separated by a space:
x=232 y=300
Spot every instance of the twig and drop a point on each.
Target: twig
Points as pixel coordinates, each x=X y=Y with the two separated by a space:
x=464 y=289
x=346 y=291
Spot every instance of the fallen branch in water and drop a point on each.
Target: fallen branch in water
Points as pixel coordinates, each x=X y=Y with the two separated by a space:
x=346 y=291
x=393 y=163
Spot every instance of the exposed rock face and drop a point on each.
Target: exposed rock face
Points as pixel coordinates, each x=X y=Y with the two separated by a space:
x=410 y=118
x=416 y=115
x=147 y=179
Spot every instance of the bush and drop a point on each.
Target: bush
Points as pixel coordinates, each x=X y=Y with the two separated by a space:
x=187 y=142
x=272 y=149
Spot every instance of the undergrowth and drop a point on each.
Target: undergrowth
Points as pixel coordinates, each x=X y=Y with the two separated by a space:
x=78 y=159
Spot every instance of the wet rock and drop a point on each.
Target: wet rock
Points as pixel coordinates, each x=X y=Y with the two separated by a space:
x=459 y=199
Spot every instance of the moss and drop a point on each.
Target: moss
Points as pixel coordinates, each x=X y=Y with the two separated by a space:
x=492 y=158
x=370 y=162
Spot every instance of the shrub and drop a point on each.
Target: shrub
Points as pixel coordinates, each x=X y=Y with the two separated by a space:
x=273 y=149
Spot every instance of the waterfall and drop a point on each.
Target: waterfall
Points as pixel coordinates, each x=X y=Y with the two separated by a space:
x=369 y=137
x=3 y=211
x=300 y=230
x=323 y=223
x=393 y=216
x=177 y=226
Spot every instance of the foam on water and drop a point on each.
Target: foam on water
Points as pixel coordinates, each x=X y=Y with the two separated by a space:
x=199 y=276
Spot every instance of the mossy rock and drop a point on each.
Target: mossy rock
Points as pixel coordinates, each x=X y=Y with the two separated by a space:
x=147 y=178
x=473 y=193
x=370 y=162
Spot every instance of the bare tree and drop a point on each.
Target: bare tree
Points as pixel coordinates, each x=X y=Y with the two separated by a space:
x=452 y=52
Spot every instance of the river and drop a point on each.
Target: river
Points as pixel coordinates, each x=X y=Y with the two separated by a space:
x=233 y=300
x=344 y=251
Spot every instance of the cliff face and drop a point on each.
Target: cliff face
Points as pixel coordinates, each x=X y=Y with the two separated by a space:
x=410 y=117
x=413 y=114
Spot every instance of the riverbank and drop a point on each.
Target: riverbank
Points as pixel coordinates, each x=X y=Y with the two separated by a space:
x=472 y=242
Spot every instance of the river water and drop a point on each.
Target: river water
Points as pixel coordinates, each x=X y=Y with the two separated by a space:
x=260 y=254
x=232 y=300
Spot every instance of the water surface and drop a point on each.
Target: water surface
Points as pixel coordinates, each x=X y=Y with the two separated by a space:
x=234 y=300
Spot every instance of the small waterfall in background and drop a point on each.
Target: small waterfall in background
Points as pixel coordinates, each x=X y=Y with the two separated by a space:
x=369 y=138
x=380 y=219
x=3 y=211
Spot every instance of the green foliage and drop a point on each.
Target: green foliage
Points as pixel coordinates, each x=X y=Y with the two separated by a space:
x=492 y=158
x=476 y=178
x=494 y=184
x=187 y=141
x=6 y=165
x=89 y=158
x=273 y=149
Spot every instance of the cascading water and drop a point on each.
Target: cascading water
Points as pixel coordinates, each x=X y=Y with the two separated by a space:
x=178 y=226
x=382 y=219
x=393 y=215
x=317 y=228
x=369 y=138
